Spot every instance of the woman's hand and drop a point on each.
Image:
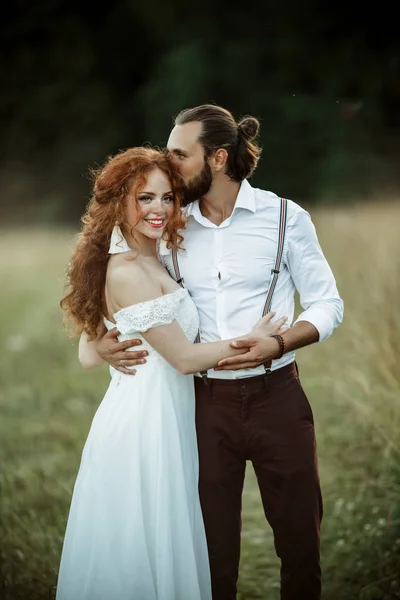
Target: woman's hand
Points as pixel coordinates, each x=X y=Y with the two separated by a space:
x=261 y=346
x=265 y=327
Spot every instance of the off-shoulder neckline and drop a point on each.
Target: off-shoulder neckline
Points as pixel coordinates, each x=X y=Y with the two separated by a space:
x=125 y=308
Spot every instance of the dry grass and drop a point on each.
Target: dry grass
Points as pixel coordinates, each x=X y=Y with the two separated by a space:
x=353 y=382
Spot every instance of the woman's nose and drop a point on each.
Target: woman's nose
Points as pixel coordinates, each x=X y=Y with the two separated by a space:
x=158 y=207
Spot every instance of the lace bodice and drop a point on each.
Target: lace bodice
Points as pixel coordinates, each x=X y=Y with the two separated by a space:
x=178 y=305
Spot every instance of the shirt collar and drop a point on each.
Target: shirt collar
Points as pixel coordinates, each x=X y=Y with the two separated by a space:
x=245 y=199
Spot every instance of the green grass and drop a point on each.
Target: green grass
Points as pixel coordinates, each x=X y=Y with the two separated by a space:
x=353 y=382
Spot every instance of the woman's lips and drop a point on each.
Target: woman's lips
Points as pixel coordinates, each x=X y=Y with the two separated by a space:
x=155 y=223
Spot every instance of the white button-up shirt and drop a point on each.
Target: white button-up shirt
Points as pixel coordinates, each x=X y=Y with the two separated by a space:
x=227 y=271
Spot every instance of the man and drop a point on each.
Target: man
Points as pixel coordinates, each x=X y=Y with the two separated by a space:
x=241 y=255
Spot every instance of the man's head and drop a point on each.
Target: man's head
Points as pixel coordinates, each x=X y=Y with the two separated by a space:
x=207 y=143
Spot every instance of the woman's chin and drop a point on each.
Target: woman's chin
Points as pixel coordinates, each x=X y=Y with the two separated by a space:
x=154 y=234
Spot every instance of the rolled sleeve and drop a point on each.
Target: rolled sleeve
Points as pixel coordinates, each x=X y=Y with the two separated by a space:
x=312 y=276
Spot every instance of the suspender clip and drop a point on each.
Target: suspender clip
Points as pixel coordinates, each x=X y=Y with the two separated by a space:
x=275 y=271
x=204 y=377
x=268 y=369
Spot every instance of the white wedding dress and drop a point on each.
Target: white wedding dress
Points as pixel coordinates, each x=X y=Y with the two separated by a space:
x=135 y=528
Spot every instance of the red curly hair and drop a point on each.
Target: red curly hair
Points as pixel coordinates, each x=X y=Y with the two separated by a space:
x=121 y=174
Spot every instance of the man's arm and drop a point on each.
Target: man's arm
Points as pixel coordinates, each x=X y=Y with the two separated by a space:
x=314 y=280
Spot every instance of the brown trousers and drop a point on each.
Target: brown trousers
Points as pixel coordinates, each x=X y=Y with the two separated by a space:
x=267 y=420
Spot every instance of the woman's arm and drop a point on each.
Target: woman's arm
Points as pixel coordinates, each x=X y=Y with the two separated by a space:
x=172 y=344
x=88 y=356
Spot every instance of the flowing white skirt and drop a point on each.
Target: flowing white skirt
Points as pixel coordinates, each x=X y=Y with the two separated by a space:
x=135 y=528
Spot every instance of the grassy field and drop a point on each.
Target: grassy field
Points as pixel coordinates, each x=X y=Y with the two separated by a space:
x=352 y=380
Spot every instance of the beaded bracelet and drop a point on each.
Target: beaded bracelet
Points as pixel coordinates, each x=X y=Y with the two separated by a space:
x=281 y=343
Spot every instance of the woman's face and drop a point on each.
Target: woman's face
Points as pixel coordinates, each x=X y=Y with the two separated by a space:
x=149 y=211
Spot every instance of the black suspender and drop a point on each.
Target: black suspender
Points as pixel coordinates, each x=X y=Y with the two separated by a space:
x=275 y=271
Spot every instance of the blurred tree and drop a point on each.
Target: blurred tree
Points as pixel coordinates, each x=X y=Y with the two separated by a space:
x=79 y=83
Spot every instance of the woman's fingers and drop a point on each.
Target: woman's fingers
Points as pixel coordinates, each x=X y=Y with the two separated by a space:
x=280 y=322
x=266 y=319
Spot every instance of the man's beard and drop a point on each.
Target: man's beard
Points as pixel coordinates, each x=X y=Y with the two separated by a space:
x=199 y=186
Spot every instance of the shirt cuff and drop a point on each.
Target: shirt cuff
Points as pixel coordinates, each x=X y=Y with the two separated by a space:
x=320 y=319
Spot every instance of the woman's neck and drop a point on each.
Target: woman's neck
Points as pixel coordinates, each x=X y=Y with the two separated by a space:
x=142 y=244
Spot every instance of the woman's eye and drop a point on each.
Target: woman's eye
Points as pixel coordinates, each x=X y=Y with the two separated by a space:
x=168 y=199
x=145 y=199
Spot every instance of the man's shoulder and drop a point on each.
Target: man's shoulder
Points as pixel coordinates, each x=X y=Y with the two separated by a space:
x=268 y=199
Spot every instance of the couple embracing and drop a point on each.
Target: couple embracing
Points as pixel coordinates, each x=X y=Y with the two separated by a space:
x=183 y=280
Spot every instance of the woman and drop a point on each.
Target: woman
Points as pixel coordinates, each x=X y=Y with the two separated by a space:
x=135 y=528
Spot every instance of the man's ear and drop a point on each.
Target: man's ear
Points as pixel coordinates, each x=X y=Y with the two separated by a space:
x=219 y=159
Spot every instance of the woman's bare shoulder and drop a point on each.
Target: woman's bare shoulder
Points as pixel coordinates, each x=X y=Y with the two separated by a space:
x=121 y=266
x=129 y=282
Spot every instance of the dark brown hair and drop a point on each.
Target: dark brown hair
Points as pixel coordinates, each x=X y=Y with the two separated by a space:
x=220 y=130
x=122 y=174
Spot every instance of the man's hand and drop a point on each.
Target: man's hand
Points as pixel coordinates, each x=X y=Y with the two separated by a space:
x=260 y=350
x=114 y=352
